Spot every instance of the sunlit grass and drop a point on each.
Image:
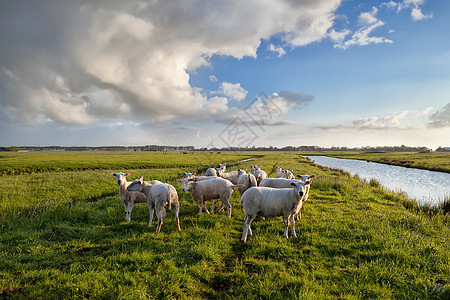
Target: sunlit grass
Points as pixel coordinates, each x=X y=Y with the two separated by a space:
x=63 y=235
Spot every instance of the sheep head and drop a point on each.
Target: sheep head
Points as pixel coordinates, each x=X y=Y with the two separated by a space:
x=137 y=185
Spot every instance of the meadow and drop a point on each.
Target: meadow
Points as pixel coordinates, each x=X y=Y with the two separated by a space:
x=63 y=235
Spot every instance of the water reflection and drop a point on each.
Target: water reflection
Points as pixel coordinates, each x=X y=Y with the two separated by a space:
x=423 y=185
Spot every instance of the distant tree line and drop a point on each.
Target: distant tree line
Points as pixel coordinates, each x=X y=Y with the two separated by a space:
x=401 y=148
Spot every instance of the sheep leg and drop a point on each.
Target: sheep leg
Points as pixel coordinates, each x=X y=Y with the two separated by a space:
x=298 y=216
x=220 y=208
x=204 y=206
x=248 y=221
x=286 y=226
x=152 y=209
x=158 y=229
x=128 y=209
x=250 y=233
x=213 y=205
x=177 y=218
x=293 y=226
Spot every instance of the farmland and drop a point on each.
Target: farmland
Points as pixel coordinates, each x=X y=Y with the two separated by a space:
x=63 y=235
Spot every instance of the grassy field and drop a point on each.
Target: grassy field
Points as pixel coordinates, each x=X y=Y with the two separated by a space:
x=434 y=161
x=63 y=235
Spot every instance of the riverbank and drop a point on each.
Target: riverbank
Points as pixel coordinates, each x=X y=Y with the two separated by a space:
x=63 y=235
x=433 y=161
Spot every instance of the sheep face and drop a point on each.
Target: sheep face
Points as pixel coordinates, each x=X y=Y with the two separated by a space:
x=120 y=177
x=300 y=188
x=186 y=184
x=220 y=172
x=305 y=178
x=137 y=185
x=241 y=172
x=189 y=175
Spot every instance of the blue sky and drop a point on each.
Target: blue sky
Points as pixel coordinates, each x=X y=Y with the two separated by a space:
x=225 y=73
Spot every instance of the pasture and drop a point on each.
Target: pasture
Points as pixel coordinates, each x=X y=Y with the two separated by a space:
x=63 y=235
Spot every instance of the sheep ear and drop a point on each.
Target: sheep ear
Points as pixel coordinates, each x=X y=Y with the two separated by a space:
x=298 y=176
x=293 y=183
x=184 y=173
x=113 y=174
x=194 y=173
x=312 y=176
x=127 y=174
x=141 y=178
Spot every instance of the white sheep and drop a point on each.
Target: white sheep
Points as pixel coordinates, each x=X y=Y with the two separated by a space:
x=284 y=173
x=211 y=172
x=279 y=171
x=245 y=181
x=215 y=171
x=272 y=202
x=158 y=197
x=286 y=183
x=212 y=189
x=258 y=173
x=305 y=178
x=129 y=198
x=198 y=178
x=232 y=176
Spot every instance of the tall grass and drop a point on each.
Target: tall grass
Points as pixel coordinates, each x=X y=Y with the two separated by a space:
x=63 y=235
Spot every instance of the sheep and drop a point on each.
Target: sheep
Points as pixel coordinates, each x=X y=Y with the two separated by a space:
x=258 y=173
x=129 y=198
x=279 y=171
x=245 y=181
x=286 y=183
x=283 y=182
x=211 y=172
x=232 y=176
x=198 y=178
x=212 y=189
x=158 y=196
x=284 y=173
x=215 y=171
x=271 y=202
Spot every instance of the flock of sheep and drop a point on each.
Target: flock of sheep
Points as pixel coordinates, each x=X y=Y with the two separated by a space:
x=260 y=195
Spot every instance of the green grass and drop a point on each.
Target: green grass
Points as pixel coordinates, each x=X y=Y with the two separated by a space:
x=63 y=235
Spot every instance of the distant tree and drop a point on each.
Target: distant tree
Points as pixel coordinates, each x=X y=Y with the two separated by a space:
x=13 y=149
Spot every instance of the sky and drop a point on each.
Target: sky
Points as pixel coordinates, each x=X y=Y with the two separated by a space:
x=225 y=73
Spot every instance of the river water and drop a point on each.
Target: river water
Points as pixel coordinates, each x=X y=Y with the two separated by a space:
x=422 y=185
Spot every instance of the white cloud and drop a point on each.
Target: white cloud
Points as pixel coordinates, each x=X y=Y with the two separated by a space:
x=234 y=91
x=417 y=15
x=361 y=37
x=368 y=22
x=277 y=49
x=414 y=5
x=441 y=118
x=338 y=36
x=119 y=59
x=368 y=18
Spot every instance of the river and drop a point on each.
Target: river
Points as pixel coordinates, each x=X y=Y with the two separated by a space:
x=422 y=185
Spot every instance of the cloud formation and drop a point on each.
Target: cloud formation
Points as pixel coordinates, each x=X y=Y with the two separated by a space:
x=397 y=121
x=233 y=91
x=80 y=62
x=368 y=22
x=413 y=5
x=441 y=118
